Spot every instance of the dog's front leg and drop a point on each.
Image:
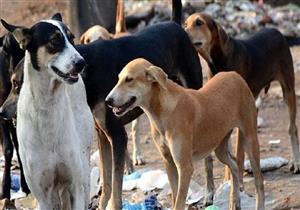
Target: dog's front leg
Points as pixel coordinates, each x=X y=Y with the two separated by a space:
x=118 y=136
x=105 y=169
x=182 y=156
x=210 y=185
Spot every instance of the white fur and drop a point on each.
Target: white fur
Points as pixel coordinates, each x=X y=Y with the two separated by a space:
x=55 y=129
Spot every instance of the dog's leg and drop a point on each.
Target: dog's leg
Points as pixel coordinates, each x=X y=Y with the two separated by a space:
x=223 y=154
x=137 y=155
x=183 y=161
x=210 y=185
x=251 y=146
x=290 y=99
x=128 y=163
x=171 y=170
x=105 y=169
x=24 y=185
x=240 y=157
x=118 y=136
x=7 y=148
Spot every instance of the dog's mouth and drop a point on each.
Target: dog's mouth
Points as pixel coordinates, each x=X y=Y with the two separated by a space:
x=119 y=110
x=70 y=77
x=198 y=44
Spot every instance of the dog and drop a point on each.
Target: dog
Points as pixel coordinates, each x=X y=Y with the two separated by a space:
x=54 y=119
x=98 y=32
x=252 y=59
x=213 y=106
x=10 y=55
x=105 y=59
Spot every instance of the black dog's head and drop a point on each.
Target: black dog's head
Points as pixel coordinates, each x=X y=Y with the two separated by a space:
x=9 y=107
x=50 y=45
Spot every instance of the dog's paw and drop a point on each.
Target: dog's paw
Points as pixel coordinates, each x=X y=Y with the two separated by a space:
x=208 y=200
x=295 y=167
x=138 y=160
x=128 y=169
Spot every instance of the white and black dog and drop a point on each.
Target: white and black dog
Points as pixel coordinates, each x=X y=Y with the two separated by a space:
x=55 y=125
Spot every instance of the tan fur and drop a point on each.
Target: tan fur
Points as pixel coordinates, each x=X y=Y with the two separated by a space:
x=98 y=32
x=187 y=123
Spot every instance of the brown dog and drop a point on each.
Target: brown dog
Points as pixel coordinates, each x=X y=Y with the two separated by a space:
x=261 y=59
x=98 y=32
x=224 y=103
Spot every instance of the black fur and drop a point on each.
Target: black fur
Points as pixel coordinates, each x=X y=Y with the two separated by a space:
x=10 y=55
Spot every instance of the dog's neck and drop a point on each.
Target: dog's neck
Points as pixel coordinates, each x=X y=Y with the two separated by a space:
x=161 y=104
x=42 y=86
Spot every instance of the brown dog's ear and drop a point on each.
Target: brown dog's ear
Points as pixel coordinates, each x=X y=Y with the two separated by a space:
x=156 y=74
x=21 y=34
x=223 y=37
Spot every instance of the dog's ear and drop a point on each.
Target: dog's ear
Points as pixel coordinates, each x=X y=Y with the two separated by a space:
x=57 y=16
x=21 y=34
x=156 y=74
x=1 y=40
x=223 y=37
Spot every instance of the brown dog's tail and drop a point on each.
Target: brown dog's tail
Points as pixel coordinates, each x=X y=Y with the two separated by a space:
x=120 y=18
x=176 y=11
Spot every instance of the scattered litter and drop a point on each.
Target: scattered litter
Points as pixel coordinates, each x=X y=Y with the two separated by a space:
x=261 y=122
x=222 y=198
x=15 y=182
x=95 y=158
x=290 y=202
x=153 y=179
x=268 y=164
x=150 y=203
x=196 y=193
x=274 y=142
x=94 y=181
x=212 y=207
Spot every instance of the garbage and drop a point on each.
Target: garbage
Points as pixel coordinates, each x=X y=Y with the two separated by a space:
x=153 y=179
x=95 y=158
x=15 y=182
x=267 y=164
x=94 y=181
x=212 y=207
x=274 y=142
x=150 y=203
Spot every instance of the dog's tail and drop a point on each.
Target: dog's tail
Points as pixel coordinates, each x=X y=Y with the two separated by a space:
x=292 y=41
x=177 y=11
x=120 y=17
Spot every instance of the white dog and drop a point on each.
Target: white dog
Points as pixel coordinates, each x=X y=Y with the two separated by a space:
x=55 y=125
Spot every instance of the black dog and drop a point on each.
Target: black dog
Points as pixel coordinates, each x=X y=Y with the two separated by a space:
x=165 y=45
x=10 y=55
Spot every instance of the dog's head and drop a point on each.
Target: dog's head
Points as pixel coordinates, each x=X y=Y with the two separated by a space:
x=135 y=85
x=204 y=33
x=51 y=48
x=9 y=107
x=95 y=33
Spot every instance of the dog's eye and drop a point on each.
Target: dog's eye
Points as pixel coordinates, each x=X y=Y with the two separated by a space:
x=127 y=79
x=199 y=22
x=55 y=40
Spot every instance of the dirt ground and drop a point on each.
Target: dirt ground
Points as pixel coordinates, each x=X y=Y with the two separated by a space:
x=278 y=184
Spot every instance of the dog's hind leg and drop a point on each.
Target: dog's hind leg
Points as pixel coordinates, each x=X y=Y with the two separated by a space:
x=251 y=146
x=223 y=154
x=289 y=95
x=7 y=148
x=210 y=185
x=137 y=155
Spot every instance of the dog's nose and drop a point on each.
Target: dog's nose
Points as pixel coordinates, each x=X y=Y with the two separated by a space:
x=109 y=102
x=80 y=64
x=2 y=113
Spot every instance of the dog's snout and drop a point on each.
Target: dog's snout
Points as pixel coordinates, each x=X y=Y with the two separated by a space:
x=109 y=101
x=80 y=64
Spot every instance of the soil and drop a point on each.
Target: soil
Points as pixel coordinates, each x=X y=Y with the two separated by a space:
x=278 y=183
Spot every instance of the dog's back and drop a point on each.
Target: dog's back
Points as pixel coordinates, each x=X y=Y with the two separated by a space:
x=165 y=45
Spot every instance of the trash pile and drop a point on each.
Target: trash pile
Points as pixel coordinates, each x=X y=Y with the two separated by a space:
x=239 y=18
